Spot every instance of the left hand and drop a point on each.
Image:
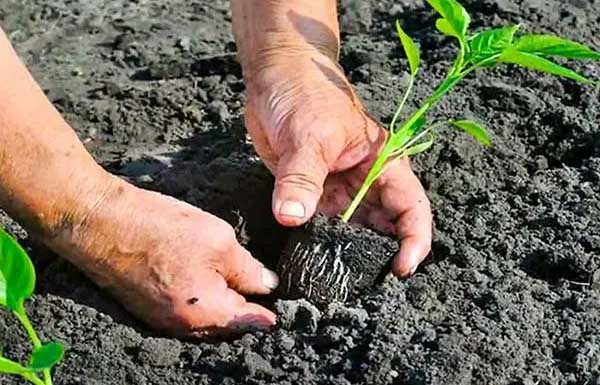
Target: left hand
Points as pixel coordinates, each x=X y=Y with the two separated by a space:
x=313 y=133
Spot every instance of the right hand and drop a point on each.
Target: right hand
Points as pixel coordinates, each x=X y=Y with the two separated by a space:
x=172 y=265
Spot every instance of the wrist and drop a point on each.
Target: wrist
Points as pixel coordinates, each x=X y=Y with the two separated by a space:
x=271 y=31
x=55 y=197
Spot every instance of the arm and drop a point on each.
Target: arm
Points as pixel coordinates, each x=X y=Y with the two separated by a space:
x=268 y=30
x=311 y=130
x=47 y=178
x=173 y=265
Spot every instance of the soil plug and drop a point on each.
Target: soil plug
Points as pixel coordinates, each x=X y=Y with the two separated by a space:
x=328 y=260
x=17 y=281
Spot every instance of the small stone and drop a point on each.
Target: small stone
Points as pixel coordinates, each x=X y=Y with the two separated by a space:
x=541 y=162
x=184 y=43
x=202 y=95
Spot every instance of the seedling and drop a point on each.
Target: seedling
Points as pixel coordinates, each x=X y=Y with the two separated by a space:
x=17 y=281
x=481 y=50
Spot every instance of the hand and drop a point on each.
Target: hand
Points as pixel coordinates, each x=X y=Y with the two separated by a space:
x=172 y=265
x=313 y=133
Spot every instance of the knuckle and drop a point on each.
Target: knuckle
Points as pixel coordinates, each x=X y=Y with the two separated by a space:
x=301 y=181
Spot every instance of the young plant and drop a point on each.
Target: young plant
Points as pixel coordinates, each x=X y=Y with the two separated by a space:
x=17 y=281
x=481 y=50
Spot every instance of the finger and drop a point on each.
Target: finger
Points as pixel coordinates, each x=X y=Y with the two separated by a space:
x=403 y=194
x=233 y=312
x=220 y=308
x=414 y=230
x=247 y=275
x=299 y=184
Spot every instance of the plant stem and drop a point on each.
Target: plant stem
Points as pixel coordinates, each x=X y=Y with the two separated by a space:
x=402 y=103
x=21 y=315
x=399 y=139
x=369 y=180
x=31 y=377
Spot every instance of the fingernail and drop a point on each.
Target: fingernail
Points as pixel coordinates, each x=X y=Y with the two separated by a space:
x=413 y=270
x=292 y=209
x=270 y=279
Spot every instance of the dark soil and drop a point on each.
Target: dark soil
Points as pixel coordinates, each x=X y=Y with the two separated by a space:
x=511 y=295
x=328 y=261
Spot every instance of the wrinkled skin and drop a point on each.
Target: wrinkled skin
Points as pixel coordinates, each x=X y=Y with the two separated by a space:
x=314 y=134
x=174 y=266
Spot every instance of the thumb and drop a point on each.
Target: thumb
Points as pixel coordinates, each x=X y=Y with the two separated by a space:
x=299 y=180
x=245 y=274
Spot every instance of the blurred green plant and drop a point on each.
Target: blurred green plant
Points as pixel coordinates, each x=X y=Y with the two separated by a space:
x=17 y=282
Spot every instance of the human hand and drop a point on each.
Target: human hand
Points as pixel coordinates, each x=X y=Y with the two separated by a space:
x=313 y=133
x=172 y=265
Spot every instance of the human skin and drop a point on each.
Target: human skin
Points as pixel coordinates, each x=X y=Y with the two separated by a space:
x=312 y=131
x=175 y=266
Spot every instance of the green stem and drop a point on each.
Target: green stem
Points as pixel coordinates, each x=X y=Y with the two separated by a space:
x=398 y=153
x=31 y=377
x=402 y=103
x=369 y=180
x=398 y=139
x=21 y=315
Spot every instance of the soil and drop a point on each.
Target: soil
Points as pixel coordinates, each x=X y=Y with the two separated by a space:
x=329 y=261
x=511 y=293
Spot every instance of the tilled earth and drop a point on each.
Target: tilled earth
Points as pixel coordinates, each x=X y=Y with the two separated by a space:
x=511 y=294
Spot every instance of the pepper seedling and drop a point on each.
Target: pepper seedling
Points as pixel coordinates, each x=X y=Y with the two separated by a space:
x=481 y=50
x=17 y=281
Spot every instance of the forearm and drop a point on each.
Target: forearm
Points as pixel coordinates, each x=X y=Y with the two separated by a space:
x=47 y=178
x=266 y=30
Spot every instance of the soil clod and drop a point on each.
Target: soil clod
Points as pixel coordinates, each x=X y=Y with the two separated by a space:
x=329 y=261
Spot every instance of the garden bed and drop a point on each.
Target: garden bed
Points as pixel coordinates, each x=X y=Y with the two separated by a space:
x=511 y=294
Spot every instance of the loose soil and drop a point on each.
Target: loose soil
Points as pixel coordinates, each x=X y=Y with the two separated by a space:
x=511 y=293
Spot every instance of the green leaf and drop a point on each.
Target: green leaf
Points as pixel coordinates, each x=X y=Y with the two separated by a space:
x=549 y=45
x=10 y=367
x=445 y=28
x=539 y=63
x=411 y=50
x=421 y=147
x=474 y=129
x=46 y=356
x=455 y=20
x=491 y=42
x=2 y=289
x=18 y=275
